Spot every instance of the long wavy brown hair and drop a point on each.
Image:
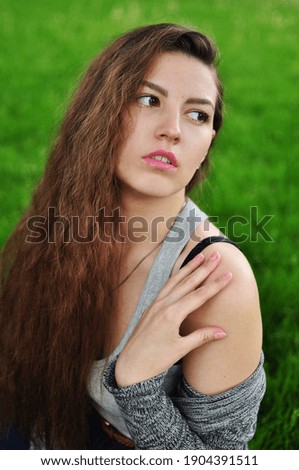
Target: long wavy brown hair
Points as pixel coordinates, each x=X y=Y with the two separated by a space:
x=56 y=293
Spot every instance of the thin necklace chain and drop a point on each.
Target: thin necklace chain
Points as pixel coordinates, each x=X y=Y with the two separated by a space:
x=150 y=252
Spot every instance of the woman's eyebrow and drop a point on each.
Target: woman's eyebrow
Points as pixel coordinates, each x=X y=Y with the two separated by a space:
x=164 y=92
x=200 y=101
x=155 y=87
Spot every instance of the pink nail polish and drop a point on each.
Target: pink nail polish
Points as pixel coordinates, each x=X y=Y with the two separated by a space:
x=214 y=256
x=227 y=275
x=219 y=334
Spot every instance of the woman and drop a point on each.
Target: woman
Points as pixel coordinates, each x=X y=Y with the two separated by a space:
x=117 y=310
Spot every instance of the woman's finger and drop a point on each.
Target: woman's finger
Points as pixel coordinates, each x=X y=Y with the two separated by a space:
x=174 y=280
x=202 y=336
x=195 y=279
x=189 y=303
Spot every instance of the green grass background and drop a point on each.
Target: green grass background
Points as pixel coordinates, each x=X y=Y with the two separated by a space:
x=46 y=45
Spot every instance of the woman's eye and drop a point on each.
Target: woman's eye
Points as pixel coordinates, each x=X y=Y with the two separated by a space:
x=198 y=116
x=148 y=100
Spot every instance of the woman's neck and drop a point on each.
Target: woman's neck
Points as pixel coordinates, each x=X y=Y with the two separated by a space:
x=148 y=219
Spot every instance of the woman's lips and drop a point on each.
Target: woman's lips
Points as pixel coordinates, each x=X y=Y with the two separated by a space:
x=150 y=159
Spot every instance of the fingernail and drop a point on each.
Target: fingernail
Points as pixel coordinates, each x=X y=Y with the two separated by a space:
x=214 y=256
x=227 y=275
x=219 y=334
x=199 y=257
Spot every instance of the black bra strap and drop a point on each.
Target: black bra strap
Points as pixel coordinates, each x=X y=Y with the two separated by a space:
x=203 y=244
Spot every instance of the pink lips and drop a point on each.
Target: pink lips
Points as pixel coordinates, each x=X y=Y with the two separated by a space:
x=158 y=163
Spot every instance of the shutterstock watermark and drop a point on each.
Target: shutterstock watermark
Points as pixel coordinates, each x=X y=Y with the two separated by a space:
x=235 y=227
x=137 y=228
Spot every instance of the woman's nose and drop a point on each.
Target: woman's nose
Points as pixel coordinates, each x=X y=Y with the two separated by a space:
x=169 y=128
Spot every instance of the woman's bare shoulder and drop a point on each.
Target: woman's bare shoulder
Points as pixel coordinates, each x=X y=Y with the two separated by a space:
x=220 y=365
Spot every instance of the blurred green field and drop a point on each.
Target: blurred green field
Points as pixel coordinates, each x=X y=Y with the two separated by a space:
x=45 y=47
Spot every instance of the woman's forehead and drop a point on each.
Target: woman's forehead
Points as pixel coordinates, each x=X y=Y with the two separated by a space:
x=173 y=70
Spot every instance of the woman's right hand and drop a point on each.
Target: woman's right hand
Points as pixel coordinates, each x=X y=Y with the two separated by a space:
x=156 y=344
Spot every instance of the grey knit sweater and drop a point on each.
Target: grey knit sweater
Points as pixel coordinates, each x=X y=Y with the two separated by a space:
x=189 y=420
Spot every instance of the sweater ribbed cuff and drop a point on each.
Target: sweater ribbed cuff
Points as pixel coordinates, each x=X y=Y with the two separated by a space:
x=140 y=389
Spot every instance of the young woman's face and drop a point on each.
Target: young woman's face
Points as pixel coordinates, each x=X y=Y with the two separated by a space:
x=170 y=127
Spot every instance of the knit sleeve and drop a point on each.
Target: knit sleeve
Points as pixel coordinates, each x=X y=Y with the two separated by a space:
x=191 y=420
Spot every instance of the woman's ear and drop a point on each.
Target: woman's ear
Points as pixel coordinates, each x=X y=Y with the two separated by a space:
x=213 y=136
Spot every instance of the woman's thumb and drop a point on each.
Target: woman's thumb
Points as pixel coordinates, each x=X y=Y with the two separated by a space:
x=204 y=335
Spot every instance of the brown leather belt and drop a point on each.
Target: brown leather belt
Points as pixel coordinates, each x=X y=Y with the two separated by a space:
x=113 y=433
